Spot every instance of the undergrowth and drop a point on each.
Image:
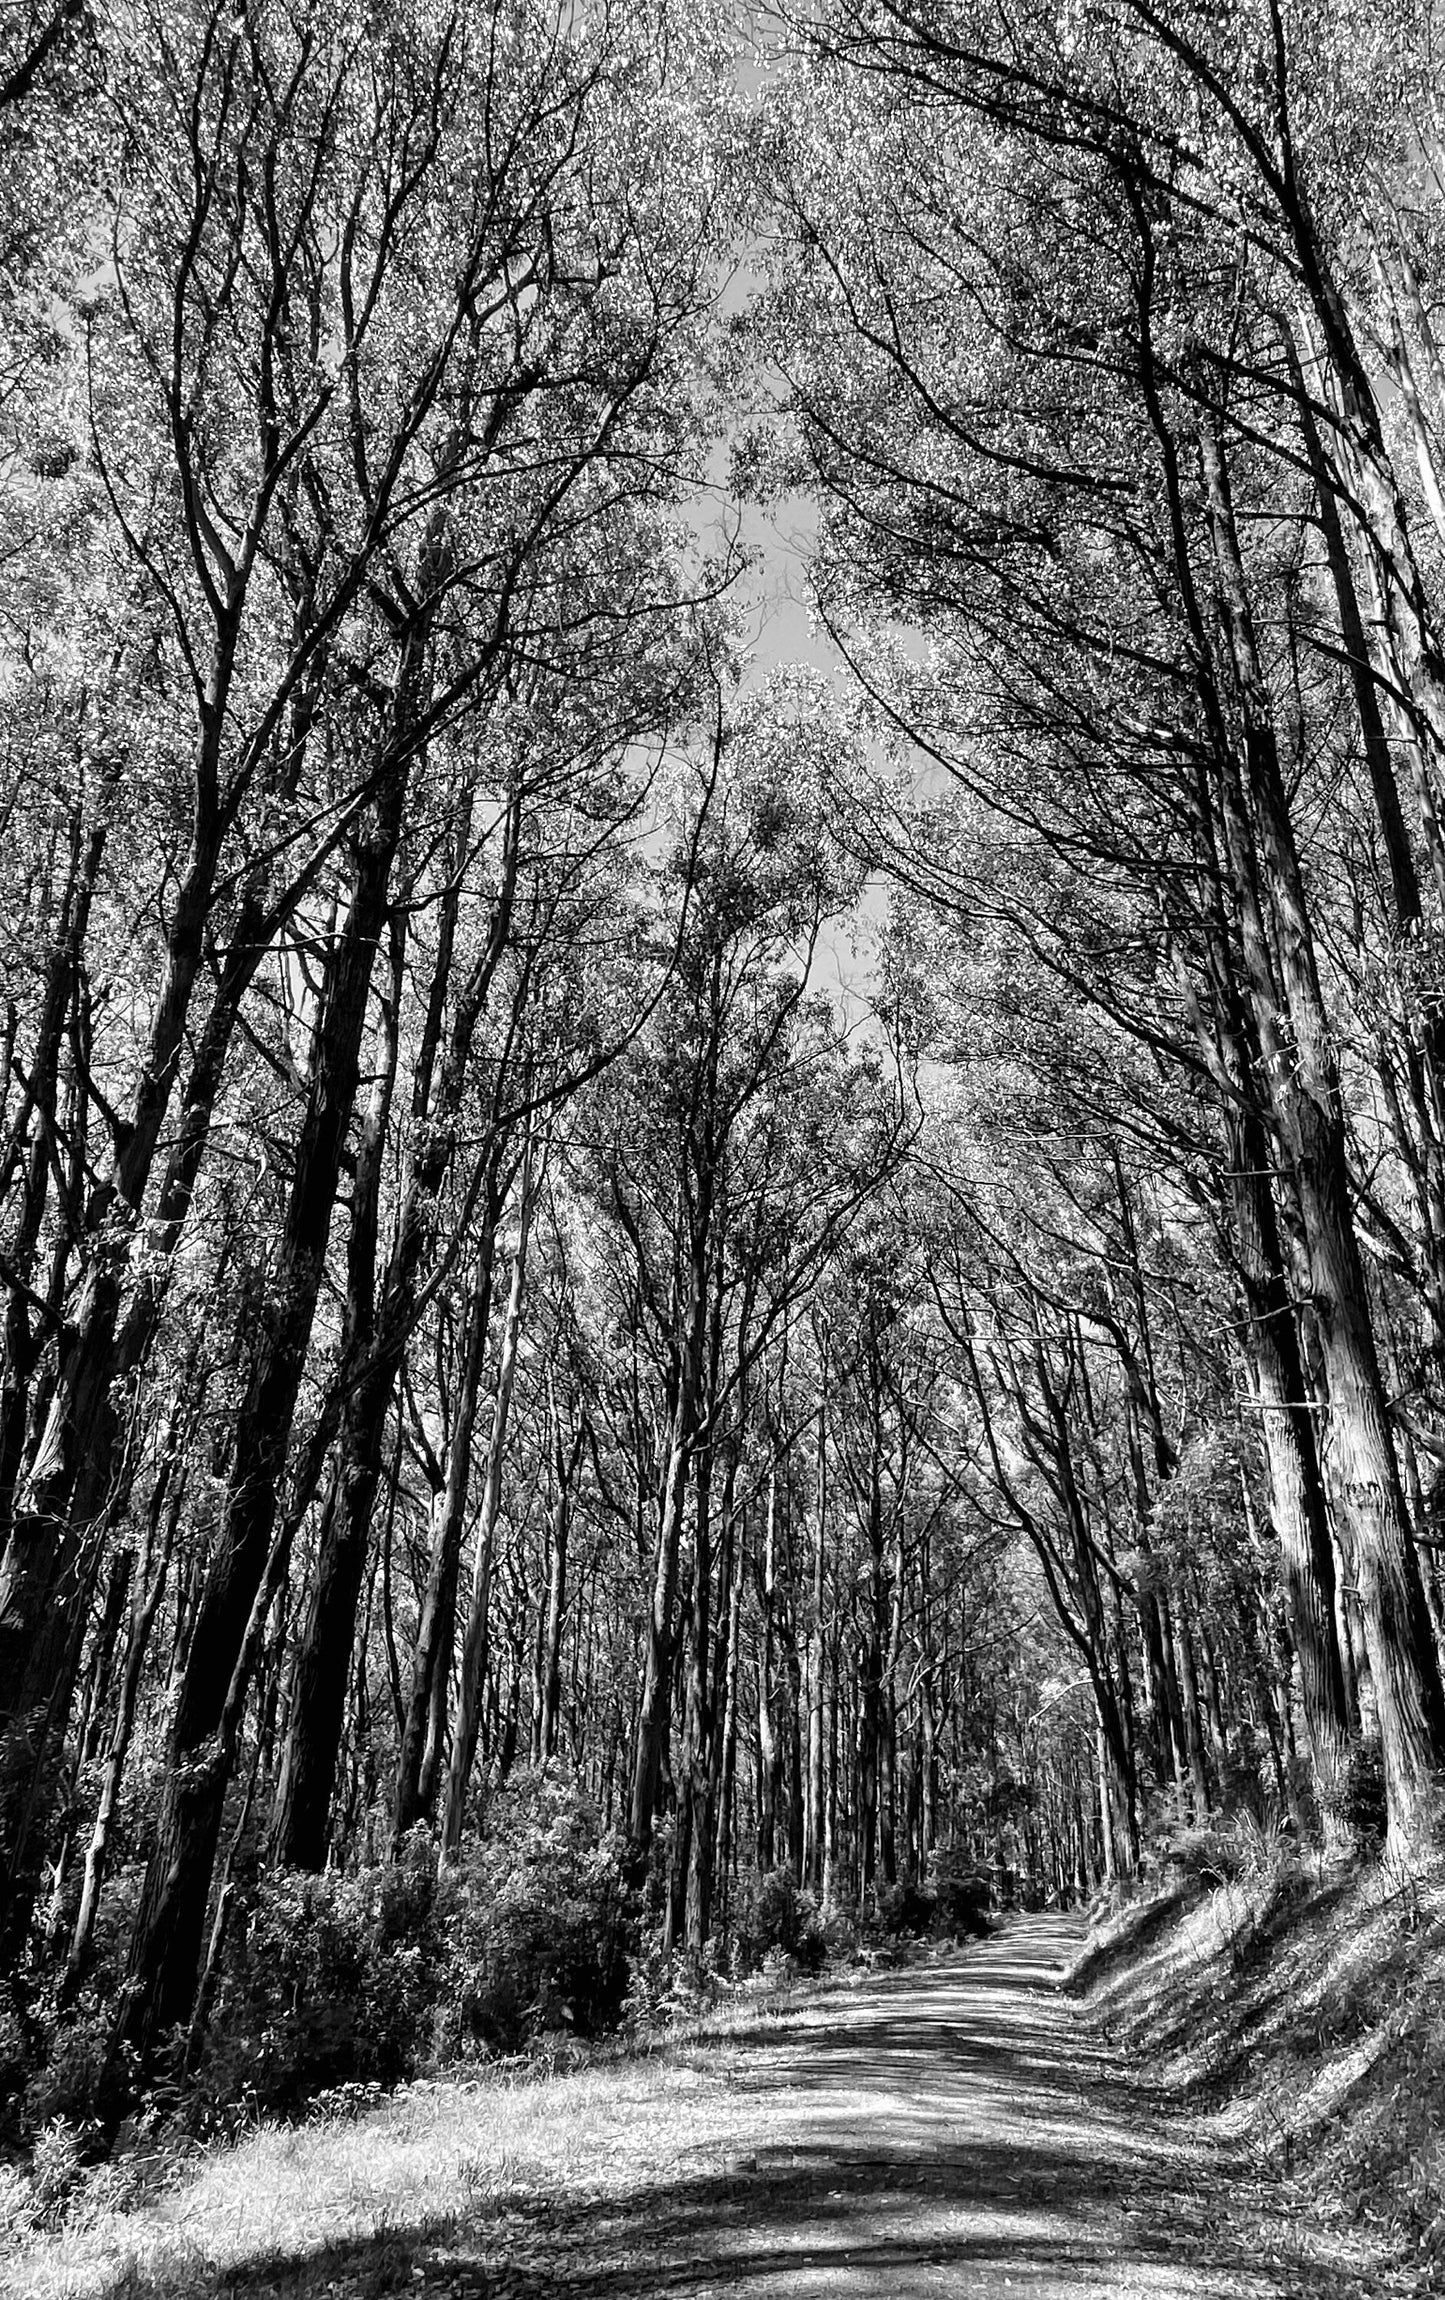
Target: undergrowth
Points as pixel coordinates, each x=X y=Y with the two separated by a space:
x=1301 y=2002
x=539 y=1949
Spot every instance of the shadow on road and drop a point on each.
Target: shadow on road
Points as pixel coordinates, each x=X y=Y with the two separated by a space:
x=943 y=2130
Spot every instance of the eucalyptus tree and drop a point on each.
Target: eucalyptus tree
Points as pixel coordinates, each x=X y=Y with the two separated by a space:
x=1038 y=464
x=891 y=1441
x=386 y=382
x=323 y=308
x=522 y=898
x=730 y=1151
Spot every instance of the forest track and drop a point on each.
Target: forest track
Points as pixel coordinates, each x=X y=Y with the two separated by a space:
x=951 y=2128
x=948 y=2129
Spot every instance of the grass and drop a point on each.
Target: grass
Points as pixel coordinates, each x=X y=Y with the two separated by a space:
x=436 y=2191
x=1303 y=2009
x=1300 y=2011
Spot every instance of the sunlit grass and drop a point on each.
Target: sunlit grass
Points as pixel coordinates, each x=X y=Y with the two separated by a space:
x=432 y=2158
x=407 y=2190
x=1304 y=2006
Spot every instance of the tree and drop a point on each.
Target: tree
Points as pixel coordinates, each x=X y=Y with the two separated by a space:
x=965 y=495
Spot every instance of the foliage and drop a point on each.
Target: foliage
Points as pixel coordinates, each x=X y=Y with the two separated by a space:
x=775 y=1916
x=905 y=1909
x=57 y=2165
x=337 y=1986
x=962 y=1894
x=72 y=2072
x=330 y=1981
x=1359 y=1800
x=535 y=1924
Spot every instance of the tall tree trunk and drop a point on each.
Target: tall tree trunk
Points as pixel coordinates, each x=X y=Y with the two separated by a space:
x=767 y=1752
x=476 y=1639
x=166 y=1946
x=1189 y=1697
x=424 y=1721
x=1304 y=1084
x=813 y=1833
x=366 y=1376
x=728 y=1750
x=378 y=1328
x=693 y=1886
x=149 y=1583
x=565 y=1460
x=34 y=1125
x=652 y=1727
x=42 y=1579
x=888 y=1714
x=1297 y=1498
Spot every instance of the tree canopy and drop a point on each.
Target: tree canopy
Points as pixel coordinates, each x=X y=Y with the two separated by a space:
x=481 y=1306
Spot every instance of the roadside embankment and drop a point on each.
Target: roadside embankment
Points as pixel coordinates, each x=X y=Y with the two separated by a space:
x=1302 y=2010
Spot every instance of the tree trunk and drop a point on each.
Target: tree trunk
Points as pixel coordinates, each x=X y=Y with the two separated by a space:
x=41 y=1577
x=166 y=1946
x=1297 y=1499
x=565 y=1463
x=767 y=1753
x=149 y=1583
x=1189 y=1697
x=1360 y=1453
x=813 y=1834
x=653 y=1718
x=366 y=1376
x=424 y=1721
x=728 y=1749
x=475 y=1642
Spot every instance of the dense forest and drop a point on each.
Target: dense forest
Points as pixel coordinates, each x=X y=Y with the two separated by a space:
x=761 y=1290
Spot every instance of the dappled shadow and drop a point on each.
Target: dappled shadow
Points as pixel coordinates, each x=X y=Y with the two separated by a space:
x=939 y=2131
x=873 y=2215
x=1143 y=1924
x=1264 y=2004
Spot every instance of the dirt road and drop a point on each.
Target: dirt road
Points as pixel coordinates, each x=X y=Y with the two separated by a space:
x=948 y=2129
x=944 y=2130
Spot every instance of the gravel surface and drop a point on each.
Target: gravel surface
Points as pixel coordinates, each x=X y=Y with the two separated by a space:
x=949 y=2129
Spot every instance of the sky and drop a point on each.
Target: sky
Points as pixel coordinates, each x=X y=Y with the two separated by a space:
x=778 y=628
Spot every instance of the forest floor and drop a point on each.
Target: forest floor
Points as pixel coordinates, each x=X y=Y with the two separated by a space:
x=1300 y=2007
x=955 y=2127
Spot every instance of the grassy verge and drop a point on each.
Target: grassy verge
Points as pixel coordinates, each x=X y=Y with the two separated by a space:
x=445 y=2188
x=1304 y=2009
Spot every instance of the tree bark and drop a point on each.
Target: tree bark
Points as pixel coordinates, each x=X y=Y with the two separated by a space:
x=1360 y=1453
x=475 y=1642
x=166 y=1945
x=366 y=1377
x=424 y=1722
x=817 y=1647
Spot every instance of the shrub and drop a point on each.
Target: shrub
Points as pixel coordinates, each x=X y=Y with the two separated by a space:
x=19 y=2209
x=962 y=1896
x=76 y=2074
x=840 y=1930
x=329 y=1983
x=334 y=1988
x=906 y=1909
x=57 y=2167
x=659 y=1989
x=1359 y=1797
x=1268 y=1842
x=775 y=1914
x=535 y=1924
x=56 y=2042
x=16 y=2046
